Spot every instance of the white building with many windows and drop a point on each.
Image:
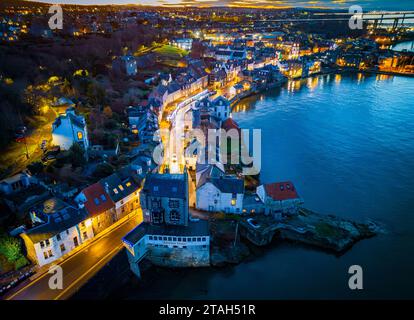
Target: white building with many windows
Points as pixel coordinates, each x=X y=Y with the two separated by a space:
x=57 y=229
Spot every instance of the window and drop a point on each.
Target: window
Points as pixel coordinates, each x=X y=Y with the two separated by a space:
x=80 y=135
x=121 y=187
x=42 y=244
x=47 y=242
x=169 y=238
x=50 y=253
x=96 y=200
x=174 y=204
x=175 y=215
x=150 y=237
x=45 y=255
x=58 y=238
x=62 y=248
x=115 y=190
x=174 y=239
x=178 y=239
x=184 y=239
x=198 y=239
x=233 y=202
x=85 y=235
x=83 y=224
x=103 y=198
x=128 y=184
x=204 y=239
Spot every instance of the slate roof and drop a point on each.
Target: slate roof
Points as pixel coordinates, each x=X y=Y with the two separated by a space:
x=228 y=184
x=165 y=185
x=58 y=217
x=119 y=186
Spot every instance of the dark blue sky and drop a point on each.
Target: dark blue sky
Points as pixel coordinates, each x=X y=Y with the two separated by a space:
x=334 y=4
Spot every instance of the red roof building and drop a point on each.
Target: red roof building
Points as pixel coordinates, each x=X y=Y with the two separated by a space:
x=229 y=123
x=97 y=200
x=279 y=198
x=280 y=191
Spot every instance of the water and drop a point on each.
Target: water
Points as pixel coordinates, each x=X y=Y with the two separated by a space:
x=408 y=45
x=347 y=142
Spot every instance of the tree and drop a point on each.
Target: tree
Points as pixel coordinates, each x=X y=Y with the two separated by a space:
x=77 y=155
x=103 y=170
x=10 y=248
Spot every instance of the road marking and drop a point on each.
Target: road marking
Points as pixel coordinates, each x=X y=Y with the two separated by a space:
x=65 y=260
x=86 y=273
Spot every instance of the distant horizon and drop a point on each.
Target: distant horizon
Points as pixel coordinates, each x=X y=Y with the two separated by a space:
x=264 y=4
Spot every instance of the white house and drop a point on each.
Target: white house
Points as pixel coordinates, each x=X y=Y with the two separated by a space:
x=221 y=194
x=69 y=128
x=15 y=183
x=130 y=65
x=182 y=43
x=57 y=229
x=279 y=198
x=221 y=107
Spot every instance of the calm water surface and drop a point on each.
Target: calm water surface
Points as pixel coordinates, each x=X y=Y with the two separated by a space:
x=347 y=142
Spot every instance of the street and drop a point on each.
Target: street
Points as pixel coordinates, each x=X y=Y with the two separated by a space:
x=78 y=268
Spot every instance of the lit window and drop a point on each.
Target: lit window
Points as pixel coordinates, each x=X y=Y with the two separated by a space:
x=128 y=184
x=121 y=187
x=115 y=190
x=233 y=202
x=80 y=135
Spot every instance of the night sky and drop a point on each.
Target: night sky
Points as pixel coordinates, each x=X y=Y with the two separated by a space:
x=334 y=4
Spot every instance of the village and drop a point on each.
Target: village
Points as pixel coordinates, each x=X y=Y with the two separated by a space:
x=134 y=148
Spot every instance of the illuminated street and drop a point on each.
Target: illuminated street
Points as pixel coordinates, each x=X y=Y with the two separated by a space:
x=79 y=268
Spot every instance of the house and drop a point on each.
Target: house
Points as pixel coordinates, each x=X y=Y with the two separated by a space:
x=164 y=199
x=182 y=43
x=98 y=205
x=224 y=193
x=169 y=246
x=126 y=64
x=68 y=129
x=221 y=108
x=206 y=171
x=15 y=183
x=123 y=188
x=279 y=198
x=57 y=228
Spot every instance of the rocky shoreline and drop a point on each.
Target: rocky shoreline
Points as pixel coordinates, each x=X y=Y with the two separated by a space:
x=235 y=240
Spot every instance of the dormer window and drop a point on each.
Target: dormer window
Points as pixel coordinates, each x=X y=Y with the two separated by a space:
x=80 y=135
